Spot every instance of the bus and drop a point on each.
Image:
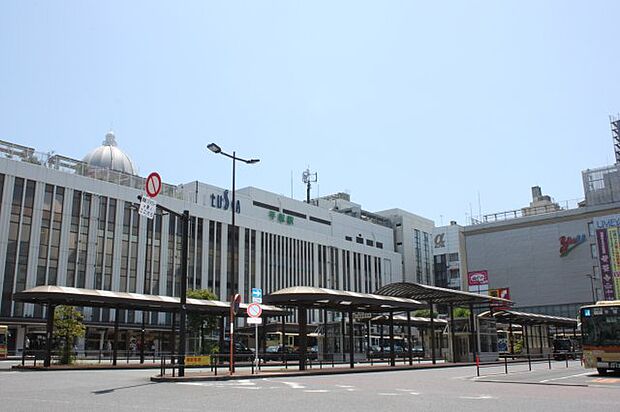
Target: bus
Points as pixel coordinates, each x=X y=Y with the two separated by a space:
x=600 y=331
x=4 y=341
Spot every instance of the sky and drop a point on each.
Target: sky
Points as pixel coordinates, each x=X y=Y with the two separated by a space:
x=444 y=109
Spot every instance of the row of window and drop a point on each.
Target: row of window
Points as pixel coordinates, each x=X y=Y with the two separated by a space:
x=360 y=240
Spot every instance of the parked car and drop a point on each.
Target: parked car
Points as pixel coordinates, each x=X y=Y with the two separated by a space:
x=563 y=349
x=242 y=353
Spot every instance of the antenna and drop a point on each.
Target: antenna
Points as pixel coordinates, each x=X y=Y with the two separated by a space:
x=615 y=135
x=308 y=178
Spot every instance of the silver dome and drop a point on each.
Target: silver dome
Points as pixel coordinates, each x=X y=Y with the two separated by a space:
x=109 y=156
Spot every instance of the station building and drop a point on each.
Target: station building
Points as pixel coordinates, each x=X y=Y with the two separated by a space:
x=75 y=223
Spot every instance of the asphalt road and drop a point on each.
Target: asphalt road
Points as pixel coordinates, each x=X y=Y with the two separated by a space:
x=453 y=389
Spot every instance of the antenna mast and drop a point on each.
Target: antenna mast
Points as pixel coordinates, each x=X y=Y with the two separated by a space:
x=308 y=178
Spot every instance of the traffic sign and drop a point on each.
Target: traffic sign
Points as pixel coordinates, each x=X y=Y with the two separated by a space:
x=254 y=310
x=153 y=184
x=148 y=207
x=257 y=295
x=255 y=321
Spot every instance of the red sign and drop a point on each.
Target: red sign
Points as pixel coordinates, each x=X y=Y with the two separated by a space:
x=478 y=278
x=503 y=293
x=254 y=310
x=153 y=184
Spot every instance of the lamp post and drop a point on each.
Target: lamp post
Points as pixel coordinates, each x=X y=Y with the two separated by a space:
x=218 y=150
x=592 y=285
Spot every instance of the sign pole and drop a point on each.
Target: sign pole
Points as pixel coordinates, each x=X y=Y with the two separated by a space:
x=256 y=360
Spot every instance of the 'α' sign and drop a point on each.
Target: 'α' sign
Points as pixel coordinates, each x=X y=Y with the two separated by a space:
x=153 y=184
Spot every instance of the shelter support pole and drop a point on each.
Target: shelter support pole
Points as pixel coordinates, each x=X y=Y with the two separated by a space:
x=526 y=336
x=351 y=340
x=302 y=316
x=381 y=343
x=540 y=338
x=117 y=316
x=451 y=337
x=283 y=330
x=342 y=333
x=49 y=333
x=575 y=332
x=432 y=312
x=173 y=337
x=222 y=331
x=368 y=338
x=510 y=337
x=472 y=333
x=324 y=333
x=142 y=331
x=409 y=342
x=392 y=354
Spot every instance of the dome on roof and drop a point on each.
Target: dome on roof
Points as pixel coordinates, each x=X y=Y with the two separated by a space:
x=109 y=156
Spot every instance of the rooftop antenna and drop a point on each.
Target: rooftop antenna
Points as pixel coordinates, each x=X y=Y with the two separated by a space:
x=308 y=178
x=615 y=134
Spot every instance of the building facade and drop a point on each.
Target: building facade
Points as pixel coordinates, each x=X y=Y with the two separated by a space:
x=448 y=250
x=73 y=223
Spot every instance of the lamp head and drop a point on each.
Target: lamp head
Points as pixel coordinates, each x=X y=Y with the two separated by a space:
x=214 y=148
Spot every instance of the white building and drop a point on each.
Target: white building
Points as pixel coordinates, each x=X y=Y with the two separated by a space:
x=448 y=254
x=75 y=223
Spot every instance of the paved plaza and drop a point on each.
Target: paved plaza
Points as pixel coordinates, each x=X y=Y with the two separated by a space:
x=559 y=389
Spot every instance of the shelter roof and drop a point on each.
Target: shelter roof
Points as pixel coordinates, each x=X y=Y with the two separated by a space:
x=415 y=321
x=439 y=295
x=340 y=300
x=60 y=295
x=522 y=318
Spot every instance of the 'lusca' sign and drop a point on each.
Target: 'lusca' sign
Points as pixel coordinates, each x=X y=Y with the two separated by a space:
x=223 y=202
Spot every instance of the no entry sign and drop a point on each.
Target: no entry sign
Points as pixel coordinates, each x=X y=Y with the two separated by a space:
x=153 y=184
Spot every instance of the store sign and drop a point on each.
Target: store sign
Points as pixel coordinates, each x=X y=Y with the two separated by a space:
x=478 y=278
x=440 y=240
x=568 y=243
x=608 y=244
x=281 y=218
x=204 y=360
x=223 y=201
x=503 y=293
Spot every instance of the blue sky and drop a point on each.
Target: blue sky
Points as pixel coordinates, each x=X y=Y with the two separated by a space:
x=419 y=105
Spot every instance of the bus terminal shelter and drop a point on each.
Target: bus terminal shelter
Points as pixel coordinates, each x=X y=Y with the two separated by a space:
x=304 y=298
x=434 y=295
x=52 y=296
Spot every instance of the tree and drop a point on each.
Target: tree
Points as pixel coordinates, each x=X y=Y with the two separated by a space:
x=424 y=313
x=200 y=323
x=460 y=312
x=68 y=326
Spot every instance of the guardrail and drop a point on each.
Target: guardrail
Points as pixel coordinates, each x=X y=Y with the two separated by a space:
x=531 y=358
x=92 y=357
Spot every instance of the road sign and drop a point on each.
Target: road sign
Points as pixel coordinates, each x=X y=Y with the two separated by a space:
x=257 y=295
x=254 y=310
x=148 y=207
x=153 y=184
x=255 y=321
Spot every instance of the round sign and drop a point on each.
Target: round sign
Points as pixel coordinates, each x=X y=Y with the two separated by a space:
x=254 y=310
x=153 y=184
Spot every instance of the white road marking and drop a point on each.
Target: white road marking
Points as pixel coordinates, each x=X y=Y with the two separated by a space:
x=478 y=397
x=388 y=394
x=345 y=386
x=566 y=377
x=294 y=385
x=316 y=390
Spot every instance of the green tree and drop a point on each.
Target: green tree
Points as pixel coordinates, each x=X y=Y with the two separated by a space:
x=460 y=312
x=424 y=313
x=200 y=323
x=68 y=326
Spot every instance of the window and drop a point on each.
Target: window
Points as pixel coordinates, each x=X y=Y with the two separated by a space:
x=293 y=213
x=453 y=257
x=266 y=206
x=316 y=219
x=349 y=238
x=591 y=229
x=359 y=240
x=379 y=245
x=370 y=242
x=593 y=251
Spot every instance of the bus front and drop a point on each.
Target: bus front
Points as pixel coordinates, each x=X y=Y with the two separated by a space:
x=600 y=330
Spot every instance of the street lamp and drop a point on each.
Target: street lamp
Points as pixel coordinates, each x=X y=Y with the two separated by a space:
x=592 y=285
x=218 y=150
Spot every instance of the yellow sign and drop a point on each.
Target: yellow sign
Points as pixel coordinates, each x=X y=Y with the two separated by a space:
x=204 y=360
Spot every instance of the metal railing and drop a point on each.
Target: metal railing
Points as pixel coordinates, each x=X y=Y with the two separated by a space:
x=550 y=359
